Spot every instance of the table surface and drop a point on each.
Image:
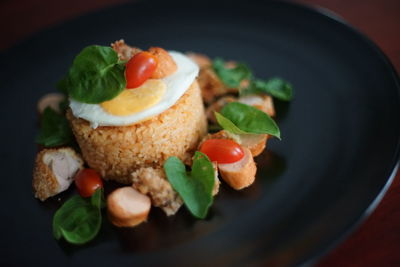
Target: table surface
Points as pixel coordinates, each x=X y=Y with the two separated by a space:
x=377 y=241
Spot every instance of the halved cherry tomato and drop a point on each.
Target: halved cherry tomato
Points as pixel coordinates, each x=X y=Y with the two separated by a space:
x=222 y=150
x=87 y=181
x=139 y=68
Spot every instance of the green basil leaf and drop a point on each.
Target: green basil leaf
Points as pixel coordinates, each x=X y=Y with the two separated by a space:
x=97 y=199
x=275 y=87
x=228 y=125
x=195 y=187
x=249 y=119
x=54 y=129
x=231 y=77
x=79 y=219
x=95 y=76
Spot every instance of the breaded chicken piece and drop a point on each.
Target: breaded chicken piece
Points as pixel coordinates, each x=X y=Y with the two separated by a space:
x=152 y=182
x=54 y=171
x=124 y=51
x=211 y=85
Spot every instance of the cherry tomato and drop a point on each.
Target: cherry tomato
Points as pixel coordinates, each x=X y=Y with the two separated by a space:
x=222 y=150
x=87 y=181
x=139 y=68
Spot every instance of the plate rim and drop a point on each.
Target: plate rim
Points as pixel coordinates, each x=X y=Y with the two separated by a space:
x=338 y=19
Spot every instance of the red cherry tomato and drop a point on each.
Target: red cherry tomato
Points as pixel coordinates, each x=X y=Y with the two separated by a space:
x=139 y=68
x=222 y=150
x=87 y=181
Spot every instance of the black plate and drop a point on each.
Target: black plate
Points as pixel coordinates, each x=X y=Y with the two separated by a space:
x=339 y=148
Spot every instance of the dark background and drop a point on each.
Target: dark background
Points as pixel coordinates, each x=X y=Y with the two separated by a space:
x=377 y=241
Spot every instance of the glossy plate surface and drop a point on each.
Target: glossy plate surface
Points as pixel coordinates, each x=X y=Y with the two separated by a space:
x=340 y=137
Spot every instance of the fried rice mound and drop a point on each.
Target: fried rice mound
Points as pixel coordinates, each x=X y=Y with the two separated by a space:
x=116 y=151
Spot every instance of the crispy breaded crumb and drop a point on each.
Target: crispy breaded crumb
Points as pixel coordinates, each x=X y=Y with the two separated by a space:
x=124 y=51
x=152 y=182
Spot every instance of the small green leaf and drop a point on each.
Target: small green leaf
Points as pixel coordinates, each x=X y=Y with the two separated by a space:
x=54 y=129
x=96 y=75
x=231 y=77
x=195 y=187
x=249 y=120
x=275 y=87
x=79 y=219
x=228 y=125
x=97 y=199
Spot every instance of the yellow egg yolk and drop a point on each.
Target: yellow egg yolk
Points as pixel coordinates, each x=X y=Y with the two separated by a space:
x=134 y=100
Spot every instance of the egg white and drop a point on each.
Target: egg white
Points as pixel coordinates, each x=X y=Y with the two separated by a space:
x=177 y=84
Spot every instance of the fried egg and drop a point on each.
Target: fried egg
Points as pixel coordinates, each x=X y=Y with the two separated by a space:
x=140 y=105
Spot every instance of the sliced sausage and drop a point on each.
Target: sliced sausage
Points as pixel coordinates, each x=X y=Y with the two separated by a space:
x=239 y=174
x=127 y=207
